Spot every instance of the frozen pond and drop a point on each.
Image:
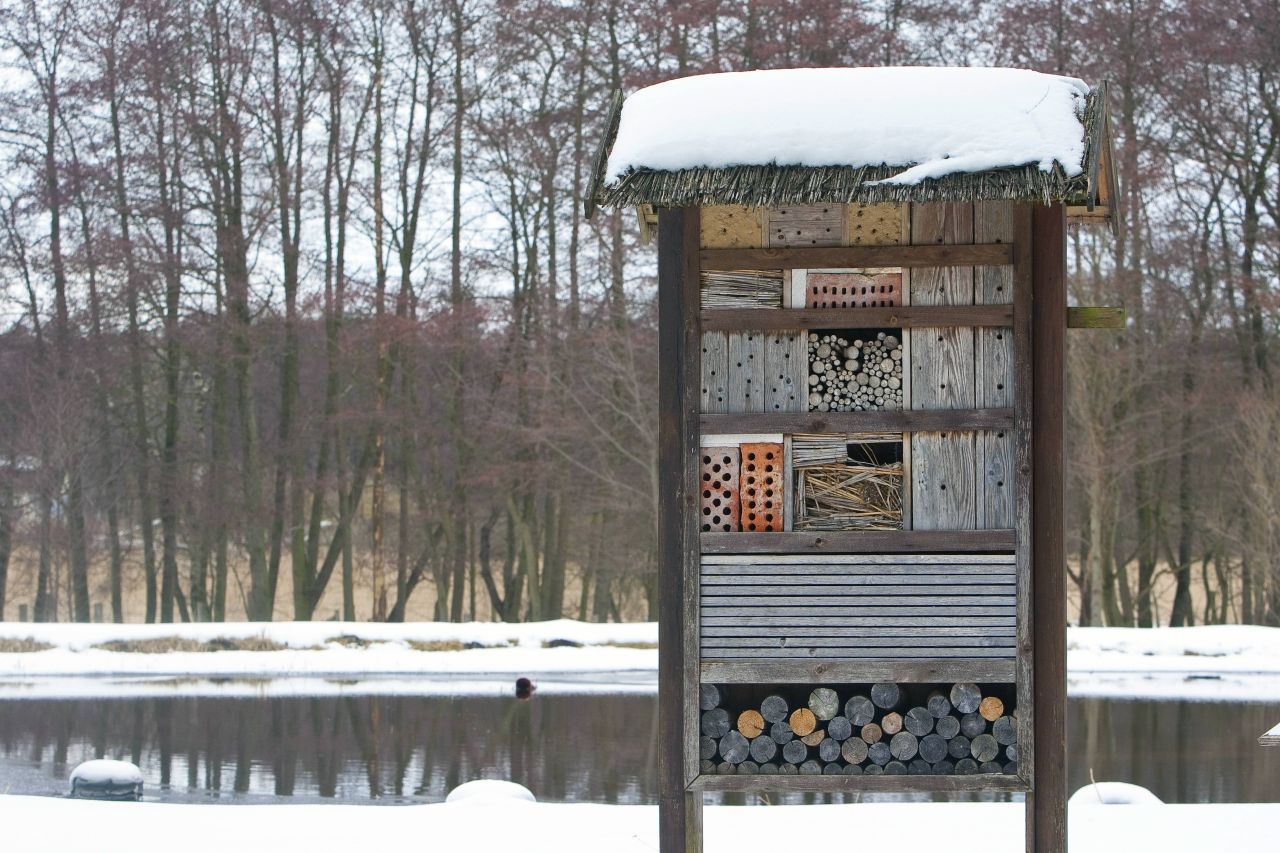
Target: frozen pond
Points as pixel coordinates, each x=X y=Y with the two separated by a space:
x=595 y=747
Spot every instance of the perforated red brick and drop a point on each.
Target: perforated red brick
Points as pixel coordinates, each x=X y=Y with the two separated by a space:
x=720 y=499
x=853 y=290
x=762 y=497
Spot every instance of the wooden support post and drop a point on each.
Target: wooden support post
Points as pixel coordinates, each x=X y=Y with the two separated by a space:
x=679 y=388
x=1047 y=803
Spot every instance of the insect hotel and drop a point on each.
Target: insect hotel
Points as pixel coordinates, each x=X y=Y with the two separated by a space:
x=862 y=319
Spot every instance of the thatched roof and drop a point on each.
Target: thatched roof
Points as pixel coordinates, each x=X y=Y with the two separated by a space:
x=1088 y=193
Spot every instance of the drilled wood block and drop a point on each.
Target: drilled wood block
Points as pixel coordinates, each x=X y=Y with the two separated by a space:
x=805 y=225
x=746 y=386
x=715 y=370
x=761 y=488
x=786 y=369
x=873 y=224
x=732 y=226
x=853 y=289
x=720 y=493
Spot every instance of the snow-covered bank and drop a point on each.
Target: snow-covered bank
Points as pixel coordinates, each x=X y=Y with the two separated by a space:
x=1208 y=663
x=482 y=824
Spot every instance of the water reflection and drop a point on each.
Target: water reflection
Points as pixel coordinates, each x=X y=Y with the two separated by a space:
x=592 y=748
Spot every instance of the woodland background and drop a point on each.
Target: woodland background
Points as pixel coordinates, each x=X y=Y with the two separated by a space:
x=300 y=316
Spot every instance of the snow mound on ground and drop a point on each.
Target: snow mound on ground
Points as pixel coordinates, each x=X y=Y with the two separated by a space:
x=106 y=771
x=1114 y=794
x=490 y=790
x=931 y=121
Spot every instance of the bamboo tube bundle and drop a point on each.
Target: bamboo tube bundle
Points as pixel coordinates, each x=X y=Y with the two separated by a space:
x=849 y=496
x=742 y=289
x=894 y=729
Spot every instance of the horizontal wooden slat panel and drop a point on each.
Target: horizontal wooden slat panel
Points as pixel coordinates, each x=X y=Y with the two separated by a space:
x=854 y=653
x=906 y=317
x=846 y=605
x=840 y=257
x=857 y=541
x=959 y=631
x=865 y=642
x=855 y=621
x=787 y=587
x=856 y=671
x=926 y=600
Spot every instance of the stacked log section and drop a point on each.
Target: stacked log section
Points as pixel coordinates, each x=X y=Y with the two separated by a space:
x=884 y=728
x=854 y=372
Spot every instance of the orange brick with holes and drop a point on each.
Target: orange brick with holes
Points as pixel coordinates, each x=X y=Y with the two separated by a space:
x=720 y=490
x=761 y=475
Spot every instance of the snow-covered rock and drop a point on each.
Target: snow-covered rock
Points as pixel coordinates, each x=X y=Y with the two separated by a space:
x=930 y=121
x=106 y=779
x=1114 y=794
x=490 y=790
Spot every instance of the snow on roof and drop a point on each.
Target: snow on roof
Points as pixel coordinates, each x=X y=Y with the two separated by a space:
x=106 y=771
x=928 y=122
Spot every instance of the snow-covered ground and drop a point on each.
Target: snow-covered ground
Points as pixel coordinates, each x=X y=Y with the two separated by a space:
x=1211 y=663
x=484 y=824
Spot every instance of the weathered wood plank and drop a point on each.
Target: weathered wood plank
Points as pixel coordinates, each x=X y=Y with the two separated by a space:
x=870 y=559
x=866 y=641
x=870 y=633
x=857 y=256
x=928 y=602
x=858 y=542
x=870 y=421
x=835 y=672
x=785 y=371
x=779 y=586
x=993 y=372
x=1096 y=317
x=715 y=372
x=713 y=584
x=764 y=783
x=711 y=609
x=858 y=652
x=866 y=621
x=944 y=464
x=680 y=818
x=745 y=380
x=906 y=316
x=943 y=483
x=1048 y=342
x=1022 y=437
x=805 y=225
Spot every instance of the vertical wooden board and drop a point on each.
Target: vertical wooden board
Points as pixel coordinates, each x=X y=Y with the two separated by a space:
x=873 y=225
x=761 y=488
x=942 y=360
x=785 y=372
x=720 y=497
x=995 y=480
x=1022 y=502
x=804 y=225
x=944 y=466
x=993 y=371
x=732 y=226
x=788 y=484
x=715 y=370
x=942 y=368
x=943 y=493
x=746 y=385
x=678 y=557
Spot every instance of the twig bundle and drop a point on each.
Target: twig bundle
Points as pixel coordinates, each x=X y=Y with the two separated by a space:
x=742 y=289
x=849 y=496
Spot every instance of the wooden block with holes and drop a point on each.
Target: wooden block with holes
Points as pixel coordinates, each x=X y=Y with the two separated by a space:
x=720 y=494
x=761 y=487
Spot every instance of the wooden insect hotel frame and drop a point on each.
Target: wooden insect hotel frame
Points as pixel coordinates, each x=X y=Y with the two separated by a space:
x=861 y=423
